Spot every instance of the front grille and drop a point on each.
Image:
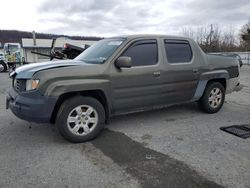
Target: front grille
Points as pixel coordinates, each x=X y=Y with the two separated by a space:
x=19 y=85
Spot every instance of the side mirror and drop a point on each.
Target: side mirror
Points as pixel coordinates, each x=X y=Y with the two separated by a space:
x=123 y=62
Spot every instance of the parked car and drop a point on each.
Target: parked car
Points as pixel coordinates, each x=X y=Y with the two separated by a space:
x=117 y=76
x=1 y=57
x=12 y=56
x=2 y=63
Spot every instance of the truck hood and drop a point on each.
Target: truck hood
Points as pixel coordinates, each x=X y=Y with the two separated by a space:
x=27 y=71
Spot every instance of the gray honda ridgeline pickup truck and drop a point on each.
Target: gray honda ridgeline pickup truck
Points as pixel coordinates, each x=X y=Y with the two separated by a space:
x=117 y=76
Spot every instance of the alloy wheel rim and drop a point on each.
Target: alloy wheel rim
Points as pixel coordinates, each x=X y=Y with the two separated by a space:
x=82 y=120
x=215 y=98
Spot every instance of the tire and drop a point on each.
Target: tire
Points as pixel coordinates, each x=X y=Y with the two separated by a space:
x=75 y=122
x=3 y=67
x=213 y=98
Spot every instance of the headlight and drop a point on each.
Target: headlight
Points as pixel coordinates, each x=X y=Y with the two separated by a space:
x=31 y=84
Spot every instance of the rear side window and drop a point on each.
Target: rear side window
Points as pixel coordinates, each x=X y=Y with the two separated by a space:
x=178 y=51
x=143 y=53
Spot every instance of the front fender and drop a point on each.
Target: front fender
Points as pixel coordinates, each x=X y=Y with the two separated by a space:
x=58 y=88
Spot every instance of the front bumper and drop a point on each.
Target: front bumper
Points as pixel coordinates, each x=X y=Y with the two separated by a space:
x=31 y=106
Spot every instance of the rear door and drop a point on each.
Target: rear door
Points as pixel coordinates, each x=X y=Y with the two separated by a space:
x=181 y=73
x=137 y=87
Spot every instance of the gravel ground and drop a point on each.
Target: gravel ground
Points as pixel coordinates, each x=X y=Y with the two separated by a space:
x=174 y=147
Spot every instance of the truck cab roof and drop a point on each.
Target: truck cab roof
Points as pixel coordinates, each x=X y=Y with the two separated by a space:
x=137 y=36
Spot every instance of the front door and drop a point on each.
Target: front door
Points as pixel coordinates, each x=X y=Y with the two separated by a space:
x=136 y=88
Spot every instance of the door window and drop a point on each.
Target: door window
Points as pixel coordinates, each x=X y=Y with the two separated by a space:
x=178 y=51
x=143 y=53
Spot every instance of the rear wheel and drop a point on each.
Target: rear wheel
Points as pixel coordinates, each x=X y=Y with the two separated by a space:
x=80 y=119
x=3 y=67
x=213 y=98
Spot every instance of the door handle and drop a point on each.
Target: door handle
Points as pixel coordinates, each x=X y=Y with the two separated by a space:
x=157 y=74
x=195 y=70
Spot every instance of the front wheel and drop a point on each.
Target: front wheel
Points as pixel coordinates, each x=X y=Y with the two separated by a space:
x=213 y=98
x=3 y=67
x=80 y=119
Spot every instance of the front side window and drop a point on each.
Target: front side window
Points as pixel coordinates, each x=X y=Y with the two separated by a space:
x=143 y=53
x=99 y=52
x=178 y=51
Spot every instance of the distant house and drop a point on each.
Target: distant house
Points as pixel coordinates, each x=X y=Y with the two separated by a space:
x=44 y=45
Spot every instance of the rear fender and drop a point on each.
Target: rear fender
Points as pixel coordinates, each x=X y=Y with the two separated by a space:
x=205 y=78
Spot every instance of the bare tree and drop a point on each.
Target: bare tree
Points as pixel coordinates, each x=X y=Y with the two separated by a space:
x=209 y=38
x=229 y=40
x=213 y=39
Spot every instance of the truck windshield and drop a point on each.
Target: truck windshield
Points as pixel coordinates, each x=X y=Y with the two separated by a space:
x=11 y=48
x=99 y=52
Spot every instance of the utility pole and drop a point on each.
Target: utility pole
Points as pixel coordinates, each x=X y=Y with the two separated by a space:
x=209 y=37
x=211 y=34
x=34 y=45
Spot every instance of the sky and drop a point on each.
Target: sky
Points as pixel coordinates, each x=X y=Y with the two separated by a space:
x=106 y=18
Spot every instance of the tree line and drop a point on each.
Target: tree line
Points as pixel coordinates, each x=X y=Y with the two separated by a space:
x=210 y=39
x=16 y=36
x=216 y=39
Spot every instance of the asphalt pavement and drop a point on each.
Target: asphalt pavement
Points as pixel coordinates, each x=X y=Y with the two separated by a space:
x=179 y=146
